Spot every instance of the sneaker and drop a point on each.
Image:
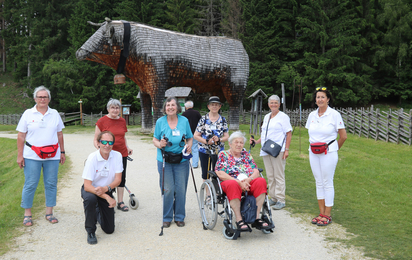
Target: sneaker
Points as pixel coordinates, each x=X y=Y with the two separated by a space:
x=91 y=238
x=279 y=205
x=272 y=202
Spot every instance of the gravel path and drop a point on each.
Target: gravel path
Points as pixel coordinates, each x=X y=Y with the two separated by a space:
x=137 y=231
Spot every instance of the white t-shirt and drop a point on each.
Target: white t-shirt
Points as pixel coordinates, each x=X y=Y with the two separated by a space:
x=41 y=130
x=100 y=171
x=278 y=127
x=325 y=128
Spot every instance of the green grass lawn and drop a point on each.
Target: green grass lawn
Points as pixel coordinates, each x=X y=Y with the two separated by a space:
x=11 y=185
x=373 y=189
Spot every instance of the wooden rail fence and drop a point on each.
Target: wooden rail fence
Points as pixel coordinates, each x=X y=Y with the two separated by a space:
x=390 y=126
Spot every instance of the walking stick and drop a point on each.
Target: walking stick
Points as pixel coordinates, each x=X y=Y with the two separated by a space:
x=163 y=190
x=194 y=184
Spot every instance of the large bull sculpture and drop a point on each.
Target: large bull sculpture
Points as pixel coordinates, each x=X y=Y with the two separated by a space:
x=157 y=59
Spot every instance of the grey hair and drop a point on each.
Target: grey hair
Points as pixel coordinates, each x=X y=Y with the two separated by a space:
x=169 y=99
x=274 y=97
x=40 y=88
x=189 y=104
x=113 y=103
x=236 y=135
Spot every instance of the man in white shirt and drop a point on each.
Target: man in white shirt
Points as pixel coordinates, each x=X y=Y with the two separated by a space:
x=102 y=173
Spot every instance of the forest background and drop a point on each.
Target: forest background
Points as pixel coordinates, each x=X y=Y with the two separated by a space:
x=359 y=49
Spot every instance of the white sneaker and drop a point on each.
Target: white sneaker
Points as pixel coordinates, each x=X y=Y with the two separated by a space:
x=272 y=202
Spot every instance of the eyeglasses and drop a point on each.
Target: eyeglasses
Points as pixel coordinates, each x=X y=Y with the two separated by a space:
x=321 y=88
x=104 y=142
x=42 y=97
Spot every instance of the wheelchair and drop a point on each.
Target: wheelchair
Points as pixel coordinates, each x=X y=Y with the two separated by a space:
x=211 y=196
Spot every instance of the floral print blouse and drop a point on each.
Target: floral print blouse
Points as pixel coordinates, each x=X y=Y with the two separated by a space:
x=209 y=129
x=234 y=166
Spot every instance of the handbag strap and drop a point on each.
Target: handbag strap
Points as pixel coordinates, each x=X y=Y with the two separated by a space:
x=266 y=135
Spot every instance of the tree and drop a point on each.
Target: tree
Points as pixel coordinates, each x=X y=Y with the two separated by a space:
x=180 y=16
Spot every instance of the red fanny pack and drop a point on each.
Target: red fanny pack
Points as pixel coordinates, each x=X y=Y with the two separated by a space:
x=44 y=152
x=319 y=147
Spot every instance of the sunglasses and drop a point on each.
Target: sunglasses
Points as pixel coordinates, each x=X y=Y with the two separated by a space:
x=104 y=142
x=321 y=88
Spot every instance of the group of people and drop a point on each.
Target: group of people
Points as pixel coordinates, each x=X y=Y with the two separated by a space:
x=41 y=146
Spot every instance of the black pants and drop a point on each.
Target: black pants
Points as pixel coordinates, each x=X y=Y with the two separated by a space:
x=204 y=162
x=96 y=210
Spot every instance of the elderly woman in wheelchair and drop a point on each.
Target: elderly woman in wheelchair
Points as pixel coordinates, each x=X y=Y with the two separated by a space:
x=235 y=174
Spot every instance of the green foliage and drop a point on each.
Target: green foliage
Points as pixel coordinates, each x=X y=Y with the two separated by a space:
x=181 y=16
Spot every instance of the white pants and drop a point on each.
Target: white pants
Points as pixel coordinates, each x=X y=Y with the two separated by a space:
x=275 y=172
x=323 y=169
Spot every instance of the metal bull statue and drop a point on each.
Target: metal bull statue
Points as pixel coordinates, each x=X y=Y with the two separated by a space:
x=157 y=59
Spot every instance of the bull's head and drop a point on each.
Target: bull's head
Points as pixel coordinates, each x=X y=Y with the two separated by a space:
x=107 y=40
x=105 y=46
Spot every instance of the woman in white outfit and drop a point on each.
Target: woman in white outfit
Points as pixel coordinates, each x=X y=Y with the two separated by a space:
x=324 y=125
x=276 y=127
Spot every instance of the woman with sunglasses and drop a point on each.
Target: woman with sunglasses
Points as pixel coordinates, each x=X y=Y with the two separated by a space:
x=324 y=125
x=117 y=125
x=172 y=132
x=40 y=126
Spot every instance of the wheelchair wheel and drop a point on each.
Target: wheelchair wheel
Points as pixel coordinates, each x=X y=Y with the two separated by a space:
x=266 y=216
x=231 y=219
x=208 y=205
x=133 y=202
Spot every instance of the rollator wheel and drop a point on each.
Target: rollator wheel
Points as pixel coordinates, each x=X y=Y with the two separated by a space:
x=226 y=232
x=208 y=205
x=133 y=202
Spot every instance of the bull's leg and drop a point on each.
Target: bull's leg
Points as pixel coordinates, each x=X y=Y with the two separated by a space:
x=234 y=98
x=157 y=102
x=147 y=118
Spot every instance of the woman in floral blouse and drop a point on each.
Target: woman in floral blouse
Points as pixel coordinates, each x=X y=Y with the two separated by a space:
x=238 y=172
x=211 y=133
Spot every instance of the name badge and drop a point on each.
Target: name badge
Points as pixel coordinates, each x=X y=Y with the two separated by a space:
x=42 y=124
x=104 y=173
x=213 y=127
x=176 y=132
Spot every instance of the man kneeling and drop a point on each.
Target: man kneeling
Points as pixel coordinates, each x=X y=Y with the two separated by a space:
x=102 y=173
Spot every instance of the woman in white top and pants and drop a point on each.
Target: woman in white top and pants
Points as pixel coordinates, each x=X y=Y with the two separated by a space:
x=276 y=127
x=324 y=125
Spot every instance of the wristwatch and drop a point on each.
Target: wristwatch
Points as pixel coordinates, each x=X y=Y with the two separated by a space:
x=109 y=189
x=63 y=152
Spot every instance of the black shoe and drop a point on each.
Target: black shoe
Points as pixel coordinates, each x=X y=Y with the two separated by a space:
x=91 y=238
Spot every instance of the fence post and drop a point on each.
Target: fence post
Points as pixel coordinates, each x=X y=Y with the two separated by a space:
x=410 y=126
x=388 y=124
x=400 y=124
x=377 y=124
x=361 y=122
x=370 y=111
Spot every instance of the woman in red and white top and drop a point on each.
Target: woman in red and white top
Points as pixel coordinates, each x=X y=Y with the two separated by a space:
x=117 y=125
x=324 y=125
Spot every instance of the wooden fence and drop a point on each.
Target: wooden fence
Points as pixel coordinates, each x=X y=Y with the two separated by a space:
x=390 y=126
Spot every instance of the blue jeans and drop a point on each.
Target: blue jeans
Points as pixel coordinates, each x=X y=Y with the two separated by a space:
x=195 y=153
x=32 y=170
x=176 y=177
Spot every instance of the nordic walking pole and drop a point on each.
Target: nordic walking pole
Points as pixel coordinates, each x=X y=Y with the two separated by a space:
x=163 y=190
x=252 y=144
x=163 y=186
x=194 y=184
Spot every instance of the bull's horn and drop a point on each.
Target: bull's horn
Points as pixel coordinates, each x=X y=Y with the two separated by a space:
x=95 y=24
x=107 y=19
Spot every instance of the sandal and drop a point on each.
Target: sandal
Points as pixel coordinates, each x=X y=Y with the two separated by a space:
x=260 y=224
x=324 y=222
x=52 y=219
x=27 y=222
x=240 y=224
x=315 y=220
x=124 y=208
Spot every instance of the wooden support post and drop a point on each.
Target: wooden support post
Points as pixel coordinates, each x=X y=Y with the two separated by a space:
x=81 y=112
